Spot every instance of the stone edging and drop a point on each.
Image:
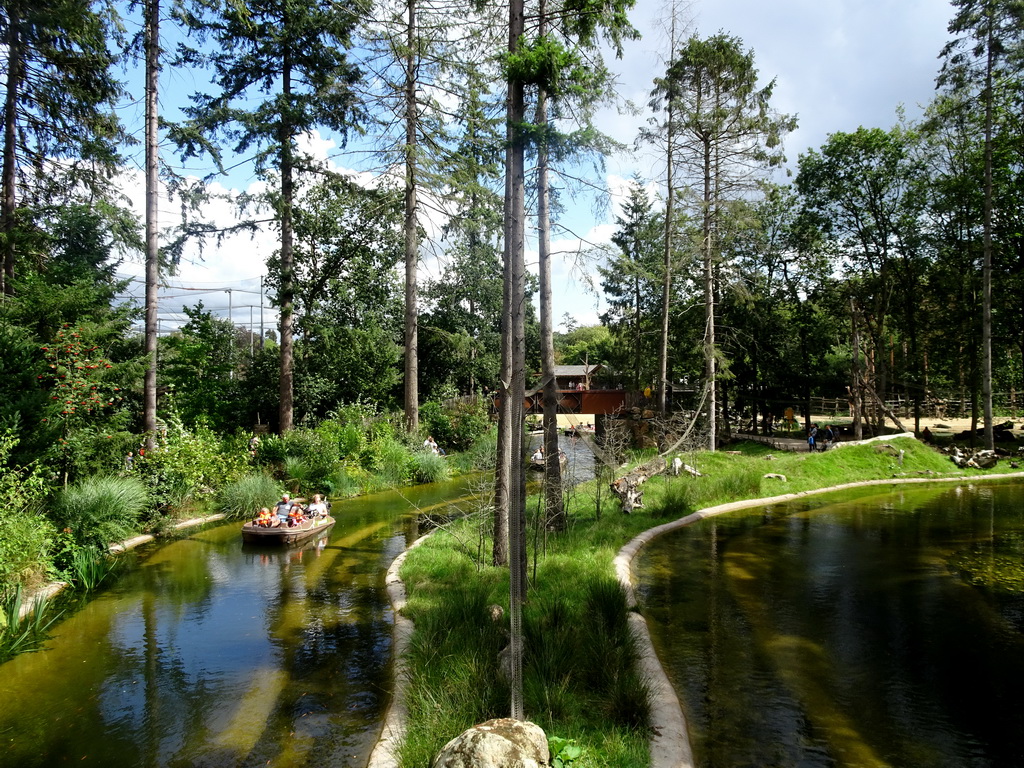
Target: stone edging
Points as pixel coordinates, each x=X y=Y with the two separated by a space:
x=55 y=587
x=670 y=745
x=385 y=752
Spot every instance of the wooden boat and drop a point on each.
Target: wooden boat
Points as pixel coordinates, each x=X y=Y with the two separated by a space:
x=538 y=466
x=283 y=536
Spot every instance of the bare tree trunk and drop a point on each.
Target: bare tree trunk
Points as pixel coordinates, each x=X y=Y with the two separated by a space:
x=412 y=408
x=287 y=297
x=986 y=269
x=666 y=289
x=152 y=212
x=503 y=460
x=15 y=71
x=709 y=308
x=554 y=509
x=515 y=218
x=856 y=388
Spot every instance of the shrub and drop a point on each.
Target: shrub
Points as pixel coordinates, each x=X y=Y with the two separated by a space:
x=345 y=480
x=428 y=467
x=188 y=464
x=244 y=496
x=100 y=510
x=27 y=538
x=456 y=424
x=390 y=460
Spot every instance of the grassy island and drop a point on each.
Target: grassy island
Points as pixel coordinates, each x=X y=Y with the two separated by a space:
x=580 y=682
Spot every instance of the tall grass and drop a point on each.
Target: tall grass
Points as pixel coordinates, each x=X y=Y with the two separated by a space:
x=90 y=568
x=100 y=510
x=18 y=635
x=579 y=676
x=245 y=496
x=428 y=467
x=344 y=481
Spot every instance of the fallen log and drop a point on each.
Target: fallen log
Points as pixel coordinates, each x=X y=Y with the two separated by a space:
x=627 y=487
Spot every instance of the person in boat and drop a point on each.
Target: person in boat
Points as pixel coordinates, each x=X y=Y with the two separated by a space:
x=284 y=506
x=538 y=455
x=318 y=507
x=266 y=519
x=296 y=516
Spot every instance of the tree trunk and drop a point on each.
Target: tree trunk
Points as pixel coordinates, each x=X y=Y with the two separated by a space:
x=666 y=289
x=503 y=459
x=412 y=408
x=152 y=223
x=986 y=269
x=15 y=71
x=709 y=307
x=515 y=219
x=287 y=298
x=554 y=510
x=856 y=389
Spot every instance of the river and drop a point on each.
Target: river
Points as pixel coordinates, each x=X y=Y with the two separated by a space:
x=210 y=653
x=864 y=629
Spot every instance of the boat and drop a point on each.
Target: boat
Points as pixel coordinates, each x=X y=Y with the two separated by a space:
x=284 y=536
x=538 y=466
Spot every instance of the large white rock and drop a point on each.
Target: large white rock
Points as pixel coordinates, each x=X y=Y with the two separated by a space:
x=502 y=743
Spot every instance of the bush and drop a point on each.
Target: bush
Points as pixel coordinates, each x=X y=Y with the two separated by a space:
x=345 y=481
x=457 y=424
x=428 y=467
x=100 y=510
x=27 y=538
x=188 y=464
x=245 y=496
x=390 y=460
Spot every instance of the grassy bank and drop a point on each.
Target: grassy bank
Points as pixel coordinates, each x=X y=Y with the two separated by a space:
x=578 y=659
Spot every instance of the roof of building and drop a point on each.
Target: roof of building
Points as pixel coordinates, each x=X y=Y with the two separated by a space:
x=576 y=370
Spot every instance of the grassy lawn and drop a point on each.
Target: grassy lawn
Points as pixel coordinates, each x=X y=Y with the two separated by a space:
x=578 y=667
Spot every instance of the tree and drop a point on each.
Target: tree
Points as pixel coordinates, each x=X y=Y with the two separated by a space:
x=60 y=132
x=281 y=68
x=988 y=50
x=864 y=191
x=630 y=282
x=152 y=56
x=728 y=137
x=348 y=242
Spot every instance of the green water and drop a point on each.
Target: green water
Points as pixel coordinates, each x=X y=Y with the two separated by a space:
x=868 y=629
x=208 y=653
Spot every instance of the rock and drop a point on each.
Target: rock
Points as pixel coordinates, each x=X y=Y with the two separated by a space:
x=775 y=476
x=502 y=743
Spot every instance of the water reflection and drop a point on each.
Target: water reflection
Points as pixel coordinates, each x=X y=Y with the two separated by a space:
x=210 y=654
x=871 y=630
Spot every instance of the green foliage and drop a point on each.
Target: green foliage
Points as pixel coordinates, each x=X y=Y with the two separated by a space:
x=563 y=752
x=456 y=424
x=19 y=635
x=389 y=460
x=428 y=467
x=202 y=366
x=100 y=510
x=244 y=496
x=189 y=464
x=27 y=539
x=90 y=567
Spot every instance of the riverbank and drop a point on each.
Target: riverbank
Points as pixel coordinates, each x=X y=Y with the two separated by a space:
x=451 y=585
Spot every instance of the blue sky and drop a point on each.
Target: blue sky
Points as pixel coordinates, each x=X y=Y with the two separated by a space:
x=838 y=64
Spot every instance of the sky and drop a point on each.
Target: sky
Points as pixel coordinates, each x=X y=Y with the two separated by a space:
x=837 y=65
